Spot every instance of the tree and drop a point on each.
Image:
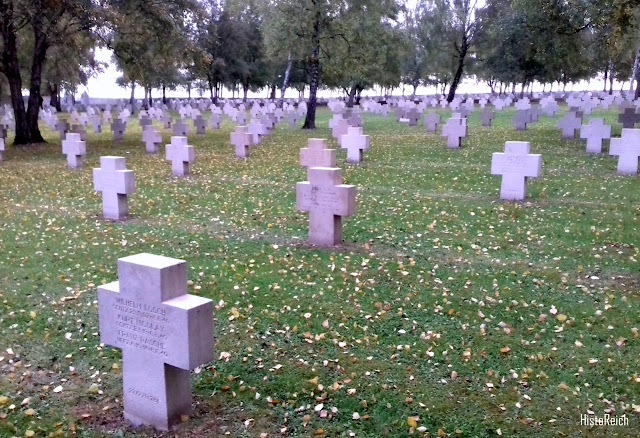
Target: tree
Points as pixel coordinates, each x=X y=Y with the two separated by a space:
x=309 y=29
x=456 y=27
x=47 y=24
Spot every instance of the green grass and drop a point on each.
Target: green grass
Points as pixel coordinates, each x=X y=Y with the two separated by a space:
x=436 y=278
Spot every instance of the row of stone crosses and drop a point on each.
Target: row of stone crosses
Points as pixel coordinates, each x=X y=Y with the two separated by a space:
x=164 y=332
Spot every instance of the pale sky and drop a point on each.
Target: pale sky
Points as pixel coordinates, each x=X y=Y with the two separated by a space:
x=104 y=86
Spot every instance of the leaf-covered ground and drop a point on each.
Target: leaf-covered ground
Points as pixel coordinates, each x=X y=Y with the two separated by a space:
x=445 y=313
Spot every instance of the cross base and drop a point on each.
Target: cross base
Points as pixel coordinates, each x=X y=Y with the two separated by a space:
x=325 y=229
x=74 y=161
x=114 y=206
x=180 y=168
x=154 y=393
x=513 y=188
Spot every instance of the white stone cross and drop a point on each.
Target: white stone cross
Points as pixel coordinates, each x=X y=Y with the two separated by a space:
x=151 y=138
x=327 y=200
x=163 y=333
x=594 y=133
x=627 y=148
x=1 y=149
x=354 y=142
x=74 y=148
x=115 y=183
x=180 y=154
x=515 y=165
x=455 y=130
x=241 y=139
x=317 y=154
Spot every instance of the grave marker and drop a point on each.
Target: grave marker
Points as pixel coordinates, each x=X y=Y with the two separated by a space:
x=152 y=139
x=594 y=133
x=515 y=165
x=355 y=143
x=327 y=200
x=241 y=139
x=180 y=154
x=317 y=154
x=163 y=333
x=455 y=130
x=115 y=183
x=627 y=148
x=74 y=148
x=629 y=118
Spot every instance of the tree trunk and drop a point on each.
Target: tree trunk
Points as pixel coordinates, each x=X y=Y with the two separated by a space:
x=462 y=53
x=150 y=101
x=39 y=58
x=358 y=96
x=415 y=88
x=314 y=75
x=54 y=93
x=285 y=82
x=351 y=96
x=606 y=77
x=611 y=77
x=132 y=99
x=272 y=94
x=245 y=91
x=164 y=95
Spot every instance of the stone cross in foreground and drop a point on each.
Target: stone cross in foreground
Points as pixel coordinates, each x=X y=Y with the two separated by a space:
x=163 y=333
x=180 y=154
x=594 y=133
x=355 y=143
x=627 y=148
x=316 y=154
x=327 y=200
x=115 y=183
x=1 y=149
x=74 y=148
x=515 y=165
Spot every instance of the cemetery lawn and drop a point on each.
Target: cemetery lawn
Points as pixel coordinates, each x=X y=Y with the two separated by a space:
x=446 y=312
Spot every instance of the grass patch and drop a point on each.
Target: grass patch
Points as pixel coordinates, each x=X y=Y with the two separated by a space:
x=443 y=303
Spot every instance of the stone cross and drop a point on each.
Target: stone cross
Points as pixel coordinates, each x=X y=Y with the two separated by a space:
x=327 y=200
x=627 y=148
x=292 y=118
x=180 y=129
x=79 y=129
x=118 y=127
x=521 y=119
x=74 y=148
x=163 y=333
x=569 y=124
x=594 y=133
x=180 y=154
x=214 y=120
x=241 y=139
x=515 y=165
x=200 y=125
x=413 y=115
x=432 y=121
x=340 y=128
x=96 y=122
x=316 y=154
x=486 y=116
x=145 y=120
x=166 y=121
x=151 y=138
x=629 y=118
x=1 y=150
x=115 y=183
x=62 y=127
x=455 y=130
x=355 y=143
